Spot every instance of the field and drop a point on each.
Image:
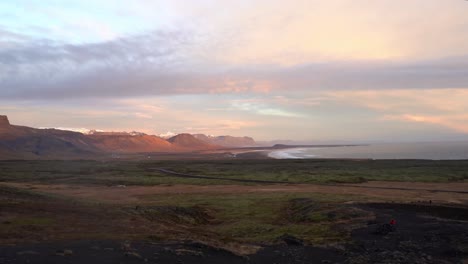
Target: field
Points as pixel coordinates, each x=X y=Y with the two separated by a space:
x=288 y=171
x=287 y=211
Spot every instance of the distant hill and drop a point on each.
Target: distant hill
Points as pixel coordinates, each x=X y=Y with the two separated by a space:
x=227 y=141
x=126 y=143
x=105 y=133
x=188 y=141
x=281 y=142
x=26 y=142
x=20 y=142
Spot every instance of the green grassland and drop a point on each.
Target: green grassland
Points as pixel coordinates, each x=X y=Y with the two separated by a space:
x=27 y=214
x=241 y=218
x=291 y=171
x=265 y=217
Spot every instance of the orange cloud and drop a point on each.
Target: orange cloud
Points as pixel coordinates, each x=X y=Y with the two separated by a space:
x=442 y=107
x=302 y=31
x=243 y=85
x=457 y=123
x=235 y=124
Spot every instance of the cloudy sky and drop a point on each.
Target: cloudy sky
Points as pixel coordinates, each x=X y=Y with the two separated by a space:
x=354 y=70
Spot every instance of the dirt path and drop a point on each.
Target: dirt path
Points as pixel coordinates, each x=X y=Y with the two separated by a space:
x=185 y=175
x=433 y=189
x=402 y=188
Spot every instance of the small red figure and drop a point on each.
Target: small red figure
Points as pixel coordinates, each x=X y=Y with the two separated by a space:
x=393 y=222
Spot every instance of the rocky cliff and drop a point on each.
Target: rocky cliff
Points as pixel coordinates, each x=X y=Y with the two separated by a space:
x=4 y=121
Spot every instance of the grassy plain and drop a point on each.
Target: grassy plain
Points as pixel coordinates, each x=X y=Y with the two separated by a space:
x=250 y=214
x=290 y=171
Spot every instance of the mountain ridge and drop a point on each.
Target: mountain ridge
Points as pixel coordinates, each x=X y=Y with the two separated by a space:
x=27 y=142
x=186 y=140
x=227 y=141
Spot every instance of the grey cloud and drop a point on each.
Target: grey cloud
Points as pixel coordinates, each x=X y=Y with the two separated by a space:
x=444 y=73
x=160 y=63
x=53 y=70
x=130 y=49
x=10 y=39
x=6 y=35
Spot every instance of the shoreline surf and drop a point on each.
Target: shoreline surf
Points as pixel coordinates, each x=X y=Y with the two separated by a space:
x=428 y=151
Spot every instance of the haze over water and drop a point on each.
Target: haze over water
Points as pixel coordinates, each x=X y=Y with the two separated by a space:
x=432 y=151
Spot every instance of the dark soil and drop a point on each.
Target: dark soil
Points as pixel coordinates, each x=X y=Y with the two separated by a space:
x=423 y=233
x=102 y=252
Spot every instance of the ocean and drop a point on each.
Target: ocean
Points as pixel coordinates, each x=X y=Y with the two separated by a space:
x=428 y=150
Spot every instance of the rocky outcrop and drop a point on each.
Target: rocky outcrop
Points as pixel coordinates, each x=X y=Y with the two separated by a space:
x=4 y=121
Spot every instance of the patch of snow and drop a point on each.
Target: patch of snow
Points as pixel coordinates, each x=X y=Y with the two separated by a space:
x=168 y=134
x=73 y=129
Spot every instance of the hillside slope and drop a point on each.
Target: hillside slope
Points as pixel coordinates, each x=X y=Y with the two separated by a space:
x=227 y=141
x=188 y=141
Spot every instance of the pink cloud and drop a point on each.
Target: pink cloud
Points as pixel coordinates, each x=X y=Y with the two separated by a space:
x=235 y=124
x=242 y=85
x=457 y=123
x=143 y=115
x=442 y=107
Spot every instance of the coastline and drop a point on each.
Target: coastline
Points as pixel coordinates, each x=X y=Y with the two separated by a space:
x=291 y=153
x=277 y=151
x=380 y=151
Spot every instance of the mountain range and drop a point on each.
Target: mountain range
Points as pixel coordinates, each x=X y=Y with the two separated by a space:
x=21 y=142
x=227 y=141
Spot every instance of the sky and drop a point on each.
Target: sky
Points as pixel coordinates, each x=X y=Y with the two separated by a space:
x=308 y=70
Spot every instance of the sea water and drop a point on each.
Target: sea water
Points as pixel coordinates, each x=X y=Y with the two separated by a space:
x=427 y=150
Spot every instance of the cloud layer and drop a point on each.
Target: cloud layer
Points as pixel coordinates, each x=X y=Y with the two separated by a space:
x=159 y=64
x=269 y=69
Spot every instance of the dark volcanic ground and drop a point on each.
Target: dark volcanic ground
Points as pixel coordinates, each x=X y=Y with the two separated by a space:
x=115 y=252
x=425 y=234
